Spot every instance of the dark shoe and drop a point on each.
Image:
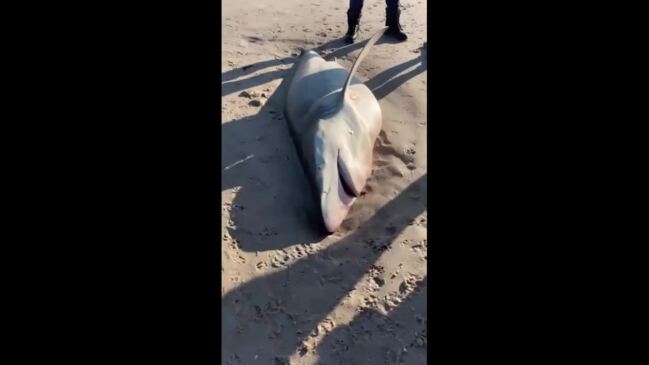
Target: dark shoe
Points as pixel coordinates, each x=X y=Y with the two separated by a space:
x=353 y=27
x=394 y=28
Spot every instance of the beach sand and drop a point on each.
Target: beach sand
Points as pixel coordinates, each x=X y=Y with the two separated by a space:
x=291 y=295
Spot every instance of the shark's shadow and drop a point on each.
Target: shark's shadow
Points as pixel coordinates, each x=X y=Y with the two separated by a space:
x=266 y=175
x=279 y=310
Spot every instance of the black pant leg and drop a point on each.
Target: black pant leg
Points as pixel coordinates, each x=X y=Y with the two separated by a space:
x=392 y=6
x=355 y=6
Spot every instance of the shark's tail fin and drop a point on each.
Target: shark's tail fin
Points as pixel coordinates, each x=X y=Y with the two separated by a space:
x=360 y=57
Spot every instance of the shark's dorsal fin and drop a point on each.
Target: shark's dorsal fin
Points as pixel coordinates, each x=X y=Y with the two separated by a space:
x=360 y=57
x=331 y=102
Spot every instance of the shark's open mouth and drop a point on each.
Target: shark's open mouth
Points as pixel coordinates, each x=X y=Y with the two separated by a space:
x=346 y=188
x=336 y=205
x=346 y=185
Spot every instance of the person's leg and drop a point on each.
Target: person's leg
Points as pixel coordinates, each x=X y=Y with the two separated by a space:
x=355 y=6
x=392 y=6
x=353 y=19
x=392 y=15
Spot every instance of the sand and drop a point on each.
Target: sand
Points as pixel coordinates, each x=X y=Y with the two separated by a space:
x=291 y=295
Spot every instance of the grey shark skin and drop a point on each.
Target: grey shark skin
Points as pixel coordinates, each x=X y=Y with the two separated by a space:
x=334 y=120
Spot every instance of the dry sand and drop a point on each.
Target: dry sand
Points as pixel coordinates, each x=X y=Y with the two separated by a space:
x=290 y=295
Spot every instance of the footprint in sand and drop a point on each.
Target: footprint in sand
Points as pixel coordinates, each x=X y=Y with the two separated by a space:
x=261 y=265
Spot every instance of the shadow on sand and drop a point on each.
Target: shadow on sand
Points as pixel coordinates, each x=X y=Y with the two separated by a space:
x=400 y=337
x=280 y=309
x=390 y=79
